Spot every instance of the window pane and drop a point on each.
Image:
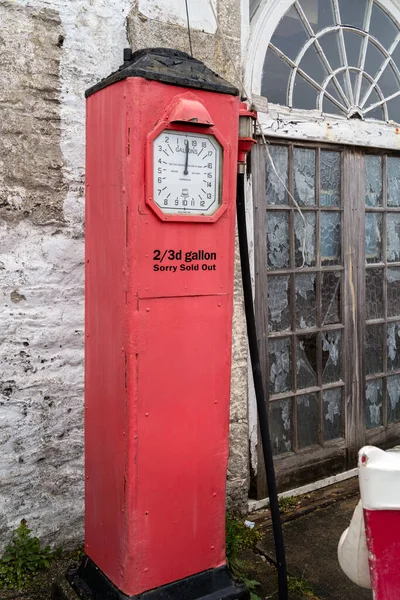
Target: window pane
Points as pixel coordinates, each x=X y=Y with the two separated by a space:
x=307 y=420
x=328 y=105
x=393 y=399
x=330 y=238
x=304 y=176
x=275 y=79
x=279 y=318
x=374 y=349
x=375 y=113
x=278 y=239
x=352 y=41
x=306 y=309
x=306 y=361
x=279 y=352
x=374 y=293
x=330 y=298
x=304 y=94
x=281 y=426
x=373 y=237
x=304 y=232
x=374 y=60
x=312 y=64
x=393 y=237
x=330 y=179
x=352 y=13
x=388 y=82
x=331 y=356
x=393 y=346
x=393 y=168
x=277 y=178
x=393 y=292
x=330 y=45
x=373 y=175
x=290 y=35
x=332 y=414
x=382 y=26
x=320 y=13
x=374 y=398
x=393 y=107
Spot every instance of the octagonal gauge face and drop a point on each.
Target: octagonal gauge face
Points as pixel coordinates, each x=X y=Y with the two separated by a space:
x=187 y=173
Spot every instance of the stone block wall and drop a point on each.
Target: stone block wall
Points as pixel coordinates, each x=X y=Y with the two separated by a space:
x=50 y=52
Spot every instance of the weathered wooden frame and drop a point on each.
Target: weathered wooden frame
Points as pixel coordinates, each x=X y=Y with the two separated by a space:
x=334 y=456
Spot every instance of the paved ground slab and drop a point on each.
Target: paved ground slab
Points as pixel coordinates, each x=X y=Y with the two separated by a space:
x=311 y=548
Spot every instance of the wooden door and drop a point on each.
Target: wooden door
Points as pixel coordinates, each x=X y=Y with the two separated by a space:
x=326 y=278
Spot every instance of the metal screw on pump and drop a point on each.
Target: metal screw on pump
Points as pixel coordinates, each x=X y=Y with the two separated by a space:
x=247 y=130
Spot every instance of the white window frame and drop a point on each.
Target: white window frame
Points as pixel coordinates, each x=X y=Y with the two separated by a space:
x=311 y=125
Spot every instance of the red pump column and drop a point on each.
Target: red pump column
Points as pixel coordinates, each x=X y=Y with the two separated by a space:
x=379 y=474
x=159 y=289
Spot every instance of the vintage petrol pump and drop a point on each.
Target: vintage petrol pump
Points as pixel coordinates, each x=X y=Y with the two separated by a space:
x=162 y=148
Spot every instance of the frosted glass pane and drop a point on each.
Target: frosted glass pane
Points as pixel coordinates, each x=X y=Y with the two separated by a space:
x=374 y=184
x=279 y=317
x=330 y=298
x=330 y=238
x=304 y=176
x=331 y=356
x=306 y=309
x=393 y=292
x=277 y=178
x=374 y=402
x=373 y=237
x=281 y=426
x=330 y=179
x=332 y=414
x=393 y=399
x=374 y=293
x=393 y=168
x=279 y=352
x=307 y=420
x=305 y=244
x=393 y=346
x=374 y=349
x=278 y=239
x=393 y=237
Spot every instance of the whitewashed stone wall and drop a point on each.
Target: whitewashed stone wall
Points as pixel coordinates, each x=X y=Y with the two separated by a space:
x=50 y=52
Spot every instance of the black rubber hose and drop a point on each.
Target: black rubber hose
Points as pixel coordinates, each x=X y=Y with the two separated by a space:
x=263 y=416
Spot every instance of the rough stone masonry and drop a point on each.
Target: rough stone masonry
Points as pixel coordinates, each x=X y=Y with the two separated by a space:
x=50 y=52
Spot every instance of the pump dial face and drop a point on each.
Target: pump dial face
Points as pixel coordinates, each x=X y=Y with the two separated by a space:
x=187 y=173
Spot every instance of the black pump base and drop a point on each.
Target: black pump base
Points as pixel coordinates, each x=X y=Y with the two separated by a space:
x=216 y=584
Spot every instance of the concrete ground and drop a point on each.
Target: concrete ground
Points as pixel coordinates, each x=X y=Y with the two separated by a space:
x=312 y=528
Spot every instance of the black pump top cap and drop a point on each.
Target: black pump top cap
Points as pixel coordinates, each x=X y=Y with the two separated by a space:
x=166 y=65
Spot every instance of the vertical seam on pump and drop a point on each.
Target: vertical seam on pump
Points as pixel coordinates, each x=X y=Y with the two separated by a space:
x=126 y=225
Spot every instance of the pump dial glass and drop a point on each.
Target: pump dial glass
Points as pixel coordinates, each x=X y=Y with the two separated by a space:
x=187 y=173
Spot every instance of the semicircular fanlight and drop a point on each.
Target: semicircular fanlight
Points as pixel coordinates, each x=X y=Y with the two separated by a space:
x=337 y=56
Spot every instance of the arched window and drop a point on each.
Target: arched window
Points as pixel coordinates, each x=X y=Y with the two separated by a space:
x=339 y=57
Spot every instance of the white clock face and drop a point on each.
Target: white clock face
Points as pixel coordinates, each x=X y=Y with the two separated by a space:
x=187 y=173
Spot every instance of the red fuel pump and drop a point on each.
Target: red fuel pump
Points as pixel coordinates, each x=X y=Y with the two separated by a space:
x=162 y=148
